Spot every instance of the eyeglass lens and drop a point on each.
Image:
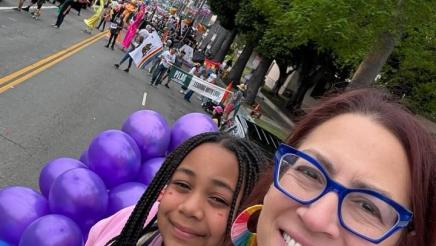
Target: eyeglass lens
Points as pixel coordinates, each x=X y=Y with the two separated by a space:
x=362 y=213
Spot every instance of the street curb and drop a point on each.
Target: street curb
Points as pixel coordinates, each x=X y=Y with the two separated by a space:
x=282 y=115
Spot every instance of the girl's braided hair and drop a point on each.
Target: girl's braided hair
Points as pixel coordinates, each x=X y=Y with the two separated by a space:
x=250 y=160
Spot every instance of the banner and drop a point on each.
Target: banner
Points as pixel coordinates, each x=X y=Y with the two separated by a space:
x=149 y=48
x=214 y=92
x=180 y=76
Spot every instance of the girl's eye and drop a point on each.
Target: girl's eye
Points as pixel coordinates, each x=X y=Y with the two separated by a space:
x=219 y=201
x=182 y=186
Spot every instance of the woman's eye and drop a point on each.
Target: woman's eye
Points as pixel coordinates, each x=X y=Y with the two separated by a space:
x=310 y=173
x=369 y=208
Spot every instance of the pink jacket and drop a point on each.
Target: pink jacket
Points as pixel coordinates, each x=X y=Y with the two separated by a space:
x=108 y=228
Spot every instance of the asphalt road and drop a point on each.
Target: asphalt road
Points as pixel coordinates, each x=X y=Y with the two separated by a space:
x=57 y=112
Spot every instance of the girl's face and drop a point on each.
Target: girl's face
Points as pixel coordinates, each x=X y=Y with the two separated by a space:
x=362 y=153
x=196 y=203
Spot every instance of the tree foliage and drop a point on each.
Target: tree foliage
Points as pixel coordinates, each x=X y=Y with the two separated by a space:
x=226 y=11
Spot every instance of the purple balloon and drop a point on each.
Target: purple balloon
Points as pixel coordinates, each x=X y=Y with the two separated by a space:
x=115 y=157
x=149 y=170
x=19 y=206
x=80 y=195
x=52 y=230
x=190 y=125
x=125 y=195
x=84 y=157
x=150 y=131
x=54 y=169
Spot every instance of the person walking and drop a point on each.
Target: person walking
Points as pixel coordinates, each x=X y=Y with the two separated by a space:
x=64 y=9
x=39 y=4
x=178 y=63
x=116 y=27
x=167 y=58
x=106 y=17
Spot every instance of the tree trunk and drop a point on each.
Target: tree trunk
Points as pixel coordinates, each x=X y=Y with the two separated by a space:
x=237 y=70
x=225 y=47
x=257 y=80
x=218 y=42
x=282 y=79
x=373 y=63
x=305 y=84
x=209 y=36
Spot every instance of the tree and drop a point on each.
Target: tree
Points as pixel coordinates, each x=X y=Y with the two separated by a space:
x=349 y=30
x=226 y=11
x=251 y=25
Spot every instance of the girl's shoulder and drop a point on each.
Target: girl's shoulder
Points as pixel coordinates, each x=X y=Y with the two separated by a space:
x=108 y=228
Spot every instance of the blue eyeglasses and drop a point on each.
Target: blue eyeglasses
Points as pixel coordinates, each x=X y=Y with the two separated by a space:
x=365 y=213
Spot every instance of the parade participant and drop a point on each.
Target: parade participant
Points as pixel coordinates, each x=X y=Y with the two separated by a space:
x=64 y=9
x=235 y=101
x=178 y=63
x=133 y=27
x=118 y=9
x=129 y=8
x=167 y=58
x=156 y=60
x=140 y=36
x=198 y=70
x=193 y=198
x=37 y=13
x=357 y=170
x=115 y=27
x=91 y=22
x=106 y=17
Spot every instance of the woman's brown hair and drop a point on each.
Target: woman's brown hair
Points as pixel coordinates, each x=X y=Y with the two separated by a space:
x=419 y=145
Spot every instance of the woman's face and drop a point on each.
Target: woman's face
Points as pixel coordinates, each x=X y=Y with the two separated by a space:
x=363 y=154
x=196 y=203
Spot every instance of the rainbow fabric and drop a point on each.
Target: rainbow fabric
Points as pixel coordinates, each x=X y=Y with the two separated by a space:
x=240 y=234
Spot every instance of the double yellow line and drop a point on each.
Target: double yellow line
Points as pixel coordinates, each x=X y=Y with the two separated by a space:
x=9 y=81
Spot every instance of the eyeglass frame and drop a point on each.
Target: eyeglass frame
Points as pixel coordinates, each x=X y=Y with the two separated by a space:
x=405 y=216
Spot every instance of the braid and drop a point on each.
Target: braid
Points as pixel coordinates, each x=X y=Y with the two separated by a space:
x=249 y=157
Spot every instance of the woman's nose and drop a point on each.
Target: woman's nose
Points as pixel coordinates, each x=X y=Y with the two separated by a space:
x=322 y=215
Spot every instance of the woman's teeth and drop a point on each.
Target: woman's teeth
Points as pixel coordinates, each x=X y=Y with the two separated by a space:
x=289 y=240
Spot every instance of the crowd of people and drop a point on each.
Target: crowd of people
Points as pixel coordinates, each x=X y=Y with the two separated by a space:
x=136 y=21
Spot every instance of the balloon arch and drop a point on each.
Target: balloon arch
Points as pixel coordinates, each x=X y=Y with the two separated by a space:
x=111 y=174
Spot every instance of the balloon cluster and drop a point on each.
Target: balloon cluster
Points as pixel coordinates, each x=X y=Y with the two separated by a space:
x=111 y=174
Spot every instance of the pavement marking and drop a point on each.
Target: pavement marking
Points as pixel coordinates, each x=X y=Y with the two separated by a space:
x=144 y=98
x=41 y=62
x=15 y=78
x=14 y=7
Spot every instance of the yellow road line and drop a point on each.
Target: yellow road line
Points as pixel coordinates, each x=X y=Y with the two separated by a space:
x=41 y=62
x=49 y=64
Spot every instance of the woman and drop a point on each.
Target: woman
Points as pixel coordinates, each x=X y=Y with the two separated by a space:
x=357 y=170
x=133 y=27
x=192 y=200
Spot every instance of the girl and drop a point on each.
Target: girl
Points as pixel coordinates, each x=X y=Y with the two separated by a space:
x=357 y=170
x=192 y=200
